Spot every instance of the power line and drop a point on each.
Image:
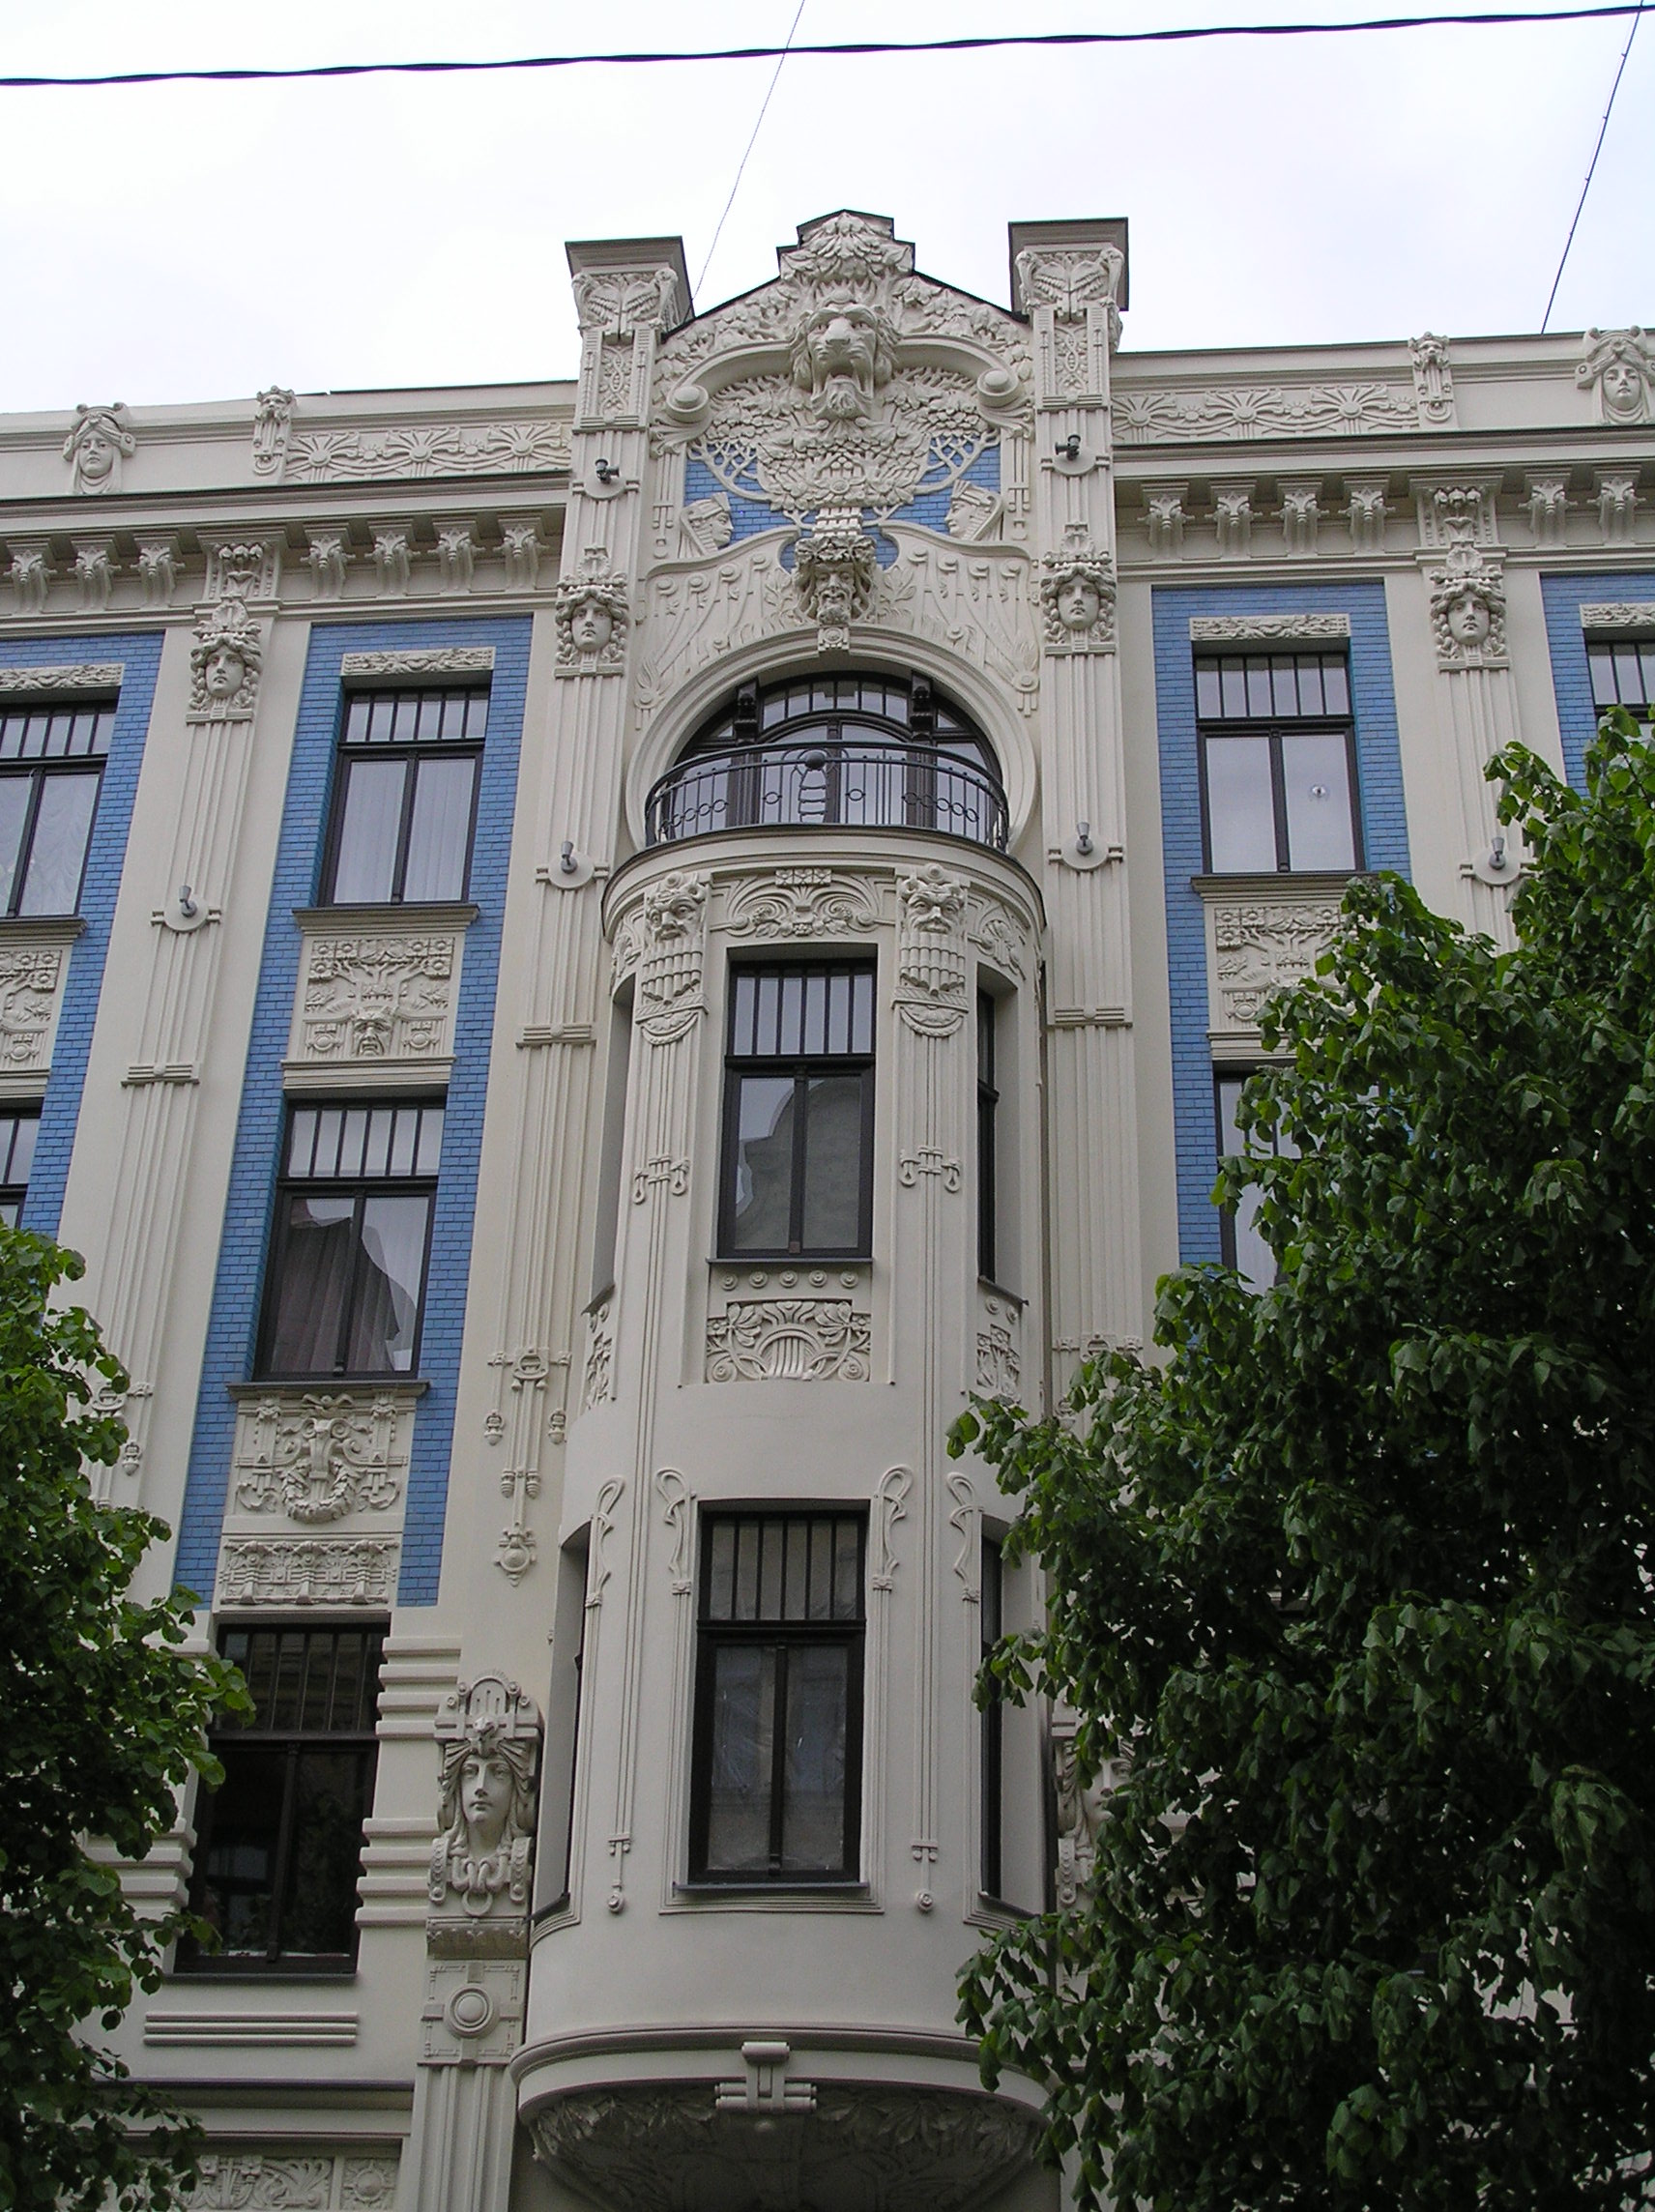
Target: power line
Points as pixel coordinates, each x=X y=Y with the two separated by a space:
x=852 y=47
x=740 y=166
x=1591 y=170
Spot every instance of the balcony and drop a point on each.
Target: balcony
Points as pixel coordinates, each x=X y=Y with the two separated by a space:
x=812 y=784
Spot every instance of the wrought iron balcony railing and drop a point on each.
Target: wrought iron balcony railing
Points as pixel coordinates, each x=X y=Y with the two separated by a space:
x=813 y=784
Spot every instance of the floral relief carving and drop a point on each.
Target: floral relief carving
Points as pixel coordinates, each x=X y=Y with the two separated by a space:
x=96 y=448
x=931 y=966
x=591 y=612
x=801 y=903
x=29 y=979
x=488 y=1747
x=377 y=997
x=999 y=1369
x=322 y=1458
x=1000 y=937
x=621 y=301
x=430 y=660
x=788 y=1340
x=256 y=2182
x=437 y=450
x=1264 y=945
x=1619 y=365
x=1226 y=414
x=1077 y=595
x=308 y=1570
x=600 y=1353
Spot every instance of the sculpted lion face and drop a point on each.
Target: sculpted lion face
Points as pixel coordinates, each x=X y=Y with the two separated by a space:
x=841 y=358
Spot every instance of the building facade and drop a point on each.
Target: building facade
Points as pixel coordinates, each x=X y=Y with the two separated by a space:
x=585 y=962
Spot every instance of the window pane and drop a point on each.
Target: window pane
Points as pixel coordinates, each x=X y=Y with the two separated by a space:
x=1233 y=676
x=1259 y=698
x=333 y=1790
x=813 y=1783
x=57 y=852
x=23 y=1149
x=1336 y=684
x=721 y=1573
x=1240 y=812
x=13 y=813
x=740 y=1756
x=847 y=1571
x=239 y=1870
x=1316 y=773
x=440 y=830
x=430 y=1150
x=372 y=820
x=1255 y=1262
x=833 y=1163
x=386 y=1318
x=317 y=1260
x=1208 y=699
x=763 y=1163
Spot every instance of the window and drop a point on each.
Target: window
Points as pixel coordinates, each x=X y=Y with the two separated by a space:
x=17 y=1134
x=51 y=764
x=777 y=1760
x=281 y=1840
x=799 y=1101
x=993 y=1721
x=352 y=1227
x=1243 y=1247
x=1278 y=763
x=988 y=1101
x=1623 y=674
x=405 y=798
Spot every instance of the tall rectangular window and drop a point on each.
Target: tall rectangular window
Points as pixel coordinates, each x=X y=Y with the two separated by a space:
x=776 y=1793
x=17 y=1133
x=992 y=1724
x=799 y=1101
x=1278 y=763
x=280 y=1849
x=1623 y=674
x=51 y=765
x=987 y=1106
x=1243 y=1245
x=352 y=1229
x=405 y=796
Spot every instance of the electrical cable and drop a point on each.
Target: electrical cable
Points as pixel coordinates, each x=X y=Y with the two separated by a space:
x=740 y=166
x=1591 y=170
x=1465 y=19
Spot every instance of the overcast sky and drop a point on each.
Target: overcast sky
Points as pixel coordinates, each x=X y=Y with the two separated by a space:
x=198 y=242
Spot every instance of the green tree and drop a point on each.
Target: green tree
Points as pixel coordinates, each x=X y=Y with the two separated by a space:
x=1359 y=1581
x=101 y=1719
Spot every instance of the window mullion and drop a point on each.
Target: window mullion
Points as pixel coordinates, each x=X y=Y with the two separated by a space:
x=1279 y=800
x=405 y=828
x=354 y=1289
x=778 y=1756
x=26 y=842
x=284 y=1852
x=801 y=1133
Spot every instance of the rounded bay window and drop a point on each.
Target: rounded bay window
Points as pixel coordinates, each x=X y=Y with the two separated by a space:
x=852 y=751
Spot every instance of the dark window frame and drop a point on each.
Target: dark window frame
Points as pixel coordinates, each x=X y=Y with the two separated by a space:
x=227 y=1738
x=348 y=753
x=991 y=1874
x=803 y=1067
x=782 y=1636
x=14 y=1188
x=1619 y=658
x=988 y=1136
x=38 y=768
x=1273 y=727
x=1227 y=1243
x=361 y=1188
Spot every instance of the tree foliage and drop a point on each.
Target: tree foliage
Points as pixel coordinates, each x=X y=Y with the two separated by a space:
x=101 y=1719
x=1359 y=1581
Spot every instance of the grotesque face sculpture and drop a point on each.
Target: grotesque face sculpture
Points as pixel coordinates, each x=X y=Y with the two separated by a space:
x=591 y=626
x=1078 y=605
x=485 y=1799
x=223 y=672
x=840 y=358
x=1468 y=620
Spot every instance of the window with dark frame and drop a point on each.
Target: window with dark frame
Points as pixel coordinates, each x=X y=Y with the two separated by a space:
x=776 y=1763
x=348 y=1254
x=988 y=1105
x=1242 y=1244
x=1278 y=763
x=798 y=1099
x=1623 y=674
x=279 y=1843
x=992 y=1724
x=51 y=766
x=17 y=1133
x=405 y=796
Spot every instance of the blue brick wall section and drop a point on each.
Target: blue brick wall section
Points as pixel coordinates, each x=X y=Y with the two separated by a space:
x=234 y=1325
x=1563 y=598
x=139 y=654
x=1385 y=830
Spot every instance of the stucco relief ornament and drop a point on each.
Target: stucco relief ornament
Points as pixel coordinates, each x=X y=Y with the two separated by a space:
x=591 y=611
x=224 y=663
x=834 y=573
x=667 y=939
x=1621 y=365
x=97 y=446
x=489 y=1741
x=1077 y=596
x=272 y=423
x=1467 y=610
x=931 y=955
x=322 y=1462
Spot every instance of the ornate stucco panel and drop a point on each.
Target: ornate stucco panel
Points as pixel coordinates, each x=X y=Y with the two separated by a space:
x=377 y=1001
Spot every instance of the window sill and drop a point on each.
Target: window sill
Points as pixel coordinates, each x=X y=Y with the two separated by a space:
x=439 y=914
x=993 y=1290
x=772 y=1897
x=41 y=928
x=305 y=1386
x=1313 y=882
x=247 y=1970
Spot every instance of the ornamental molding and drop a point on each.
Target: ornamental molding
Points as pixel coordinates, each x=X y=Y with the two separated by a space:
x=31 y=996
x=95 y=565
x=1256 y=945
x=226 y=657
x=889 y=1508
x=808 y=393
x=795 y=903
x=1077 y=595
x=1433 y=381
x=1268 y=629
x=521 y=448
x=96 y=448
x=1609 y=619
x=432 y=661
x=272 y=425
x=247 y=569
x=160 y=558
x=31 y=573
x=385 y=996
x=599 y=1359
x=591 y=612
x=1548 y=505
x=1225 y=414
x=322 y=1458
x=999 y=1365
x=488 y=1748
x=1070 y=294
x=1457 y=513
x=1619 y=367
x=265 y=2181
x=663 y=941
x=932 y=976
x=308 y=1570
x=473 y=2015
x=1616 y=503
x=788 y=1340
x=1467 y=610
x=66 y=675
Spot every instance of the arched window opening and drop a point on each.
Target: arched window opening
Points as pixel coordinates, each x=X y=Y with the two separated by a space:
x=853 y=752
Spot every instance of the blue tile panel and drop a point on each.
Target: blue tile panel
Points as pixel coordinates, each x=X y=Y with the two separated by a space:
x=232 y=1331
x=1563 y=598
x=748 y=516
x=139 y=654
x=1384 y=834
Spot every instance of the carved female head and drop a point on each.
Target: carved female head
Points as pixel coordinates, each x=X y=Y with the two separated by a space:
x=591 y=625
x=1469 y=622
x=1077 y=602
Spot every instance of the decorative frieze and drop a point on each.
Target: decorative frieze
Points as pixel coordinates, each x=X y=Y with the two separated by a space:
x=321 y=1458
x=1077 y=595
x=1620 y=367
x=435 y=450
x=788 y=1340
x=1268 y=630
x=1226 y=415
x=1605 y=620
x=276 y=2181
x=66 y=675
x=308 y=1570
x=96 y=448
x=32 y=977
x=436 y=660
x=383 y=997
x=800 y=903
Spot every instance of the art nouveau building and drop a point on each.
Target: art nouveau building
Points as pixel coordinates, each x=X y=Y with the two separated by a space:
x=585 y=962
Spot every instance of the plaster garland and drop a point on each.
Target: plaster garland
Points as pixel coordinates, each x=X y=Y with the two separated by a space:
x=308 y=1570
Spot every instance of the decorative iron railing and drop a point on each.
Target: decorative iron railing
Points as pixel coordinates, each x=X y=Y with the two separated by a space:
x=813 y=783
